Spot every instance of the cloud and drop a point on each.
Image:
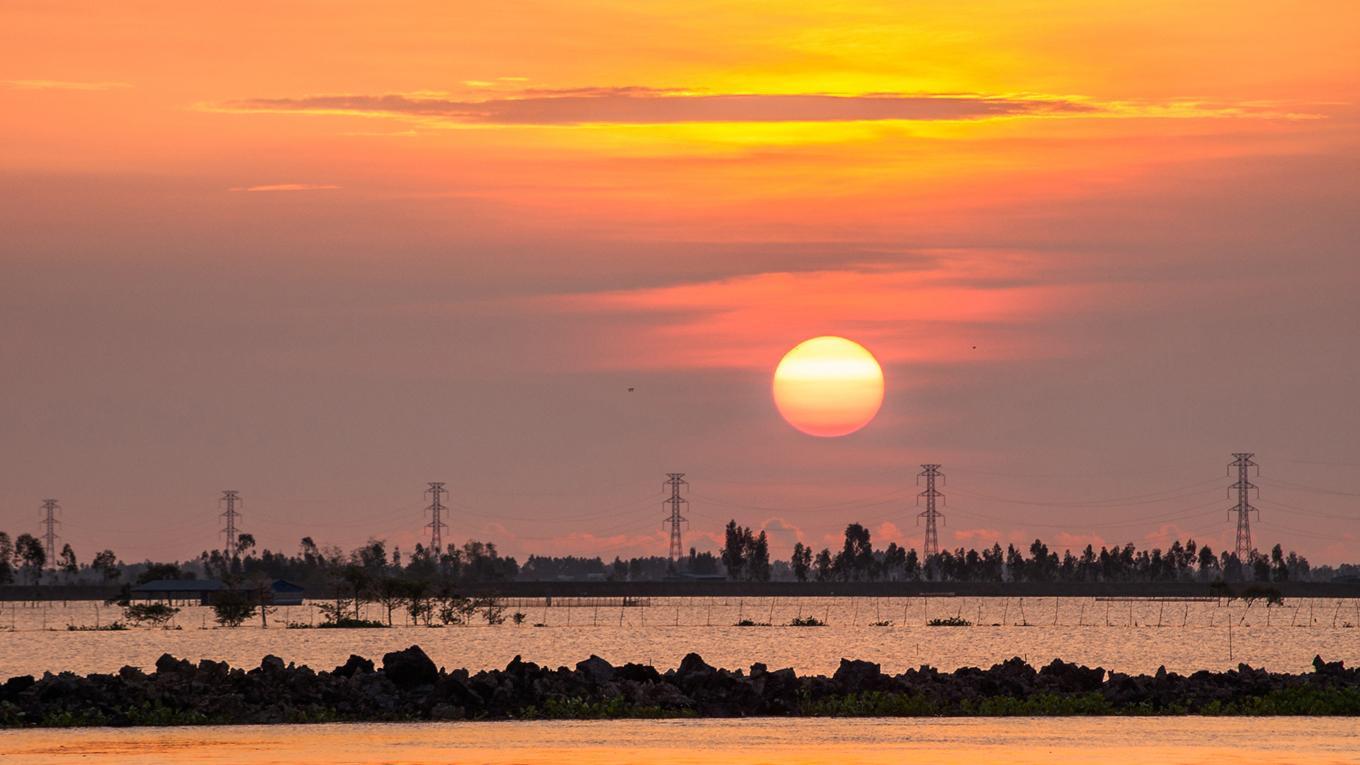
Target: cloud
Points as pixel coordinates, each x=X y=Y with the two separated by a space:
x=1076 y=542
x=888 y=531
x=979 y=536
x=287 y=187
x=63 y=85
x=782 y=536
x=903 y=315
x=648 y=106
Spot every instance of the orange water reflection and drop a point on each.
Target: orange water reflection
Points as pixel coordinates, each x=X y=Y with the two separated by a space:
x=672 y=742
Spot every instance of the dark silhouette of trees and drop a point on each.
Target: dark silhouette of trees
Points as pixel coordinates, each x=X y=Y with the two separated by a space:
x=66 y=562
x=29 y=553
x=6 y=559
x=801 y=562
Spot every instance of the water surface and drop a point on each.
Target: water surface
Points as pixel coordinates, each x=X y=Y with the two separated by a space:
x=1109 y=741
x=1124 y=635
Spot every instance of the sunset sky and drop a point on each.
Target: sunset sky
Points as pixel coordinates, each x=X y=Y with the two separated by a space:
x=323 y=253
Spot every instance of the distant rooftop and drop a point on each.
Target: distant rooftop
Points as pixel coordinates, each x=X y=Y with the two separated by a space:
x=179 y=585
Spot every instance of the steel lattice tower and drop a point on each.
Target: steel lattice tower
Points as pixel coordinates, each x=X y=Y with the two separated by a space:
x=1244 y=464
x=931 y=513
x=436 y=492
x=675 y=481
x=231 y=498
x=49 y=521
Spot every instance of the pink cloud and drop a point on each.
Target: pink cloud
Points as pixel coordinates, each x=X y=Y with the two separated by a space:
x=286 y=187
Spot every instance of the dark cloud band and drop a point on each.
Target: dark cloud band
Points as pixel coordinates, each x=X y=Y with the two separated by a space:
x=643 y=106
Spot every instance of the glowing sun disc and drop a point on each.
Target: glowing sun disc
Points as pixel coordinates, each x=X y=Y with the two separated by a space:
x=828 y=386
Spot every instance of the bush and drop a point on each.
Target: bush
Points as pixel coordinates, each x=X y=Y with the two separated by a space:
x=232 y=607
x=949 y=621
x=807 y=621
x=154 y=614
x=348 y=622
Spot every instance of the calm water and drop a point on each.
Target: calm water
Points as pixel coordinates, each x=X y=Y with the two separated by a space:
x=1131 y=636
x=1110 y=741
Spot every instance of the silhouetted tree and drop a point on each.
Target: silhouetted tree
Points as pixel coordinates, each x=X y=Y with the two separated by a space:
x=106 y=564
x=29 y=553
x=801 y=561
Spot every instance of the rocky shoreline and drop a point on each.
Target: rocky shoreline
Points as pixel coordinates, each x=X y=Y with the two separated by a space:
x=408 y=686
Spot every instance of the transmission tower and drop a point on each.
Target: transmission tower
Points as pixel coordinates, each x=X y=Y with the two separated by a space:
x=49 y=522
x=436 y=492
x=675 y=481
x=1243 y=463
x=231 y=498
x=931 y=494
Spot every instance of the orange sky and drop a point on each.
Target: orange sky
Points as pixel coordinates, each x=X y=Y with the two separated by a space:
x=327 y=252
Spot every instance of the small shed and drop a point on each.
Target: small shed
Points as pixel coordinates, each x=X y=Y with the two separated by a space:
x=284 y=593
x=198 y=591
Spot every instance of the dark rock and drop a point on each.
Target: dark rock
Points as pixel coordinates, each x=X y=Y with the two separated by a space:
x=409 y=668
x=352 y=666
x=1058 y=675
x=409 y=686
x=168 y=664
x=638 y=673
x=16 y=685
x=596 y=670
x=1329 y=668
x=692 y=667
x=855 y=676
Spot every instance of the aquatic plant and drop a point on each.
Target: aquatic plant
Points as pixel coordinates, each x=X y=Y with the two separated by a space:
x=949 y=621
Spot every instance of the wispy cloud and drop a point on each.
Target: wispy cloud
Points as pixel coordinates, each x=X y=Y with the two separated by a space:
x=642 y=106
x=63 y=85
x=287 y=187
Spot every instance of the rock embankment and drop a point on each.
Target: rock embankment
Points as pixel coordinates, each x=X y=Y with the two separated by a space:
x=409 y=686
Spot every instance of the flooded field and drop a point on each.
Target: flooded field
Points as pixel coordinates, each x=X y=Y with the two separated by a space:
x=1114 y=741
x=1130 y=635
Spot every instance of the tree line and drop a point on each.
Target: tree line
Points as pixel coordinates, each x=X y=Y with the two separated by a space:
x=858 y=561
x=745 y=555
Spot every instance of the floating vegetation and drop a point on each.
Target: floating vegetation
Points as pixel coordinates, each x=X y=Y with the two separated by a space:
x=348 y=622
x=949 y=621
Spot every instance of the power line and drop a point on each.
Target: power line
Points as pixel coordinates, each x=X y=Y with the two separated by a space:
x=609 y=511
x=1137 y=499
x=1290 y=485
x=1173 y=515
x=882 y=499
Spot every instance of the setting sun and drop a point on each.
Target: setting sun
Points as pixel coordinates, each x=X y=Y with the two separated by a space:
x=828 y=386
